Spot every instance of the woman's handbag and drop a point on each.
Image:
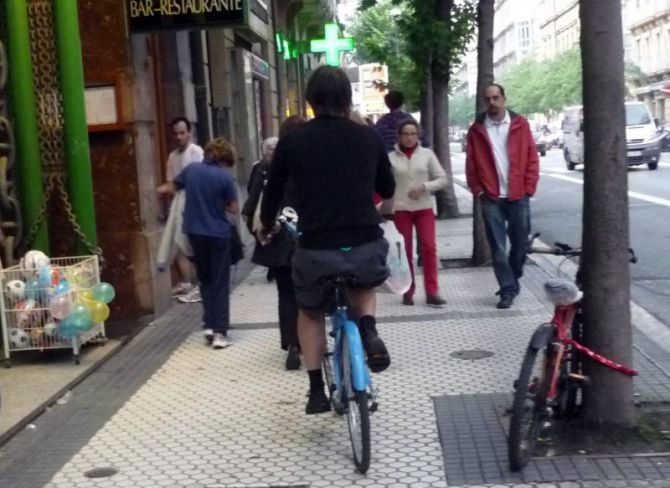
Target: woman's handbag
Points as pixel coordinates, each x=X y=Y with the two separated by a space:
x=400 y=277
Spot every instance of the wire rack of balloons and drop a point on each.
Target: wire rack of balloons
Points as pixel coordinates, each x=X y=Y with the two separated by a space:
x=50 y=303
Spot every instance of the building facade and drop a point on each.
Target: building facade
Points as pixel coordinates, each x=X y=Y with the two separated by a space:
x=558 y=22
x=236 y=79
x=514 y=33
x=648 y=22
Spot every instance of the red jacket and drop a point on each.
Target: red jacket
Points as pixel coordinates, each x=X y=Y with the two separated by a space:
x=524 y=163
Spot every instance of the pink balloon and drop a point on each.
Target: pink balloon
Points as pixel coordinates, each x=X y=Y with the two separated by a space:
x=60 y=306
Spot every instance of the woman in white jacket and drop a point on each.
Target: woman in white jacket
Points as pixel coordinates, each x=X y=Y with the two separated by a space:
x=418 y=175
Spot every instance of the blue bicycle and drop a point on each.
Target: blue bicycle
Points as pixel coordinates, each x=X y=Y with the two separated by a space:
x=347 y=376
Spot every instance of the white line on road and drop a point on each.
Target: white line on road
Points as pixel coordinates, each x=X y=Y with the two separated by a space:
x=631 y=194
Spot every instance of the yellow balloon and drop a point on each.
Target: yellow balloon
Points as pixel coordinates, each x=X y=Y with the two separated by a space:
x=86 y=295
x=99 y=310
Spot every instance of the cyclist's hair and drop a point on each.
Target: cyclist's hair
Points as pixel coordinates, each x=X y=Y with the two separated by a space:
x=394 y=99
x=497 y=85
x=329 y=92
x=290 y=124
x=408 y=121
x=221 y=151
x=176 y=120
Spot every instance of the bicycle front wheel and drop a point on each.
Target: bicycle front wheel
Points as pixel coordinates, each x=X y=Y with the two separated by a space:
x=358 y=415
x=530 y=403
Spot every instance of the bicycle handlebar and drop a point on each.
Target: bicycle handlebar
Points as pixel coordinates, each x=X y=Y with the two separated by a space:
x=562 y=249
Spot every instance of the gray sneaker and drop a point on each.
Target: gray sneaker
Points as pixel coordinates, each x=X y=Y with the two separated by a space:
x=220 y=341
x=192 y=296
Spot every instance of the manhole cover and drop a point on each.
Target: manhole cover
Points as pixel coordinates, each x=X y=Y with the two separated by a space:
x=101 y=472
x=471 y=354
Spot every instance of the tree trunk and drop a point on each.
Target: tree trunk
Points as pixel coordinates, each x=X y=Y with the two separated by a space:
x=481 y=252
x=427 y=112
x=605 y=259
x=447 y=204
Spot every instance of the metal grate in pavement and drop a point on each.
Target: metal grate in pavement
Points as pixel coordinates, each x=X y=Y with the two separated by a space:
x=474 y=446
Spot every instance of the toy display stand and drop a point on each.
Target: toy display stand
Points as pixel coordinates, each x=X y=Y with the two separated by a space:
x=27 y=322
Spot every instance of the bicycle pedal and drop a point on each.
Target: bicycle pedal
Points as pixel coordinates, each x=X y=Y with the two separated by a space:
x=373 y=407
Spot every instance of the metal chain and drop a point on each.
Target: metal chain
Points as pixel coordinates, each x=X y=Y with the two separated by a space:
x=57 y=182
x=50 y=119
x=34 y=229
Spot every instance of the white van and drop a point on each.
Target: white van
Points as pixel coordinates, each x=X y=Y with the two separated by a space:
x=643 y=138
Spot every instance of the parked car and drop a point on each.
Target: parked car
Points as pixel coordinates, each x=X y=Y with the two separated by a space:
x=665 y=142
x=540 y=143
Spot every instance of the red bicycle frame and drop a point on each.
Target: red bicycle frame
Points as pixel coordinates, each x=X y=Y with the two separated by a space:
x=561 y=321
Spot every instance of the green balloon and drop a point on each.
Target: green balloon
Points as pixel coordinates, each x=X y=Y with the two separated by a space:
x=104 y=292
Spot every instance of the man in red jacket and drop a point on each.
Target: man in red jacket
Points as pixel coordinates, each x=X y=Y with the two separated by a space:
x=502 y=169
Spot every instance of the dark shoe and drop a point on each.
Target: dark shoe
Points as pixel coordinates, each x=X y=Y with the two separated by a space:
x=318 y=403
x=407 y=299
x=292 y=358
x=506 y=300
x=378 y=355
x=435 y=301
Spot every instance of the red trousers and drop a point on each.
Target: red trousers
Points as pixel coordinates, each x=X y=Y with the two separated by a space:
x=424 y=221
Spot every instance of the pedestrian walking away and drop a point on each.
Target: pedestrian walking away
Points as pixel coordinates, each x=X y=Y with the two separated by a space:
x=336 y=165
x=418 y=175
x=502 y=169
x=278 y=253
x=261 y=166
x=210 y=195
x=175 y=246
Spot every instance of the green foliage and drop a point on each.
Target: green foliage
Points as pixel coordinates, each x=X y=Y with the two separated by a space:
x=535 y=86
x=461 y=110
x=379 y=39
x=414 y=41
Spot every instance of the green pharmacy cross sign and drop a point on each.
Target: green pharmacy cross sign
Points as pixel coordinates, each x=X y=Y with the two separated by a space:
x=332 y=45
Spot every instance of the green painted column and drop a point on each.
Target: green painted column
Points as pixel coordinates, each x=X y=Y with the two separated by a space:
x=22 y=93
x=77 y=151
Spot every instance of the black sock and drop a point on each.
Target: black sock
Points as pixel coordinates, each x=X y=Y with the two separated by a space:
x=315 y=380
x=367 y=324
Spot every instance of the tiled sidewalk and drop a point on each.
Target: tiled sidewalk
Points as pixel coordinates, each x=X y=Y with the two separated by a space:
x=234 y=418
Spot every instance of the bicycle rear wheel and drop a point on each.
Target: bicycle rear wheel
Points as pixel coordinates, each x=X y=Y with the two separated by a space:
x=530 y=403
x=358 y=415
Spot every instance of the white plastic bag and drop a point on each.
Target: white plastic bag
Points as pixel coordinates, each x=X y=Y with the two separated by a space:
x=400 y=277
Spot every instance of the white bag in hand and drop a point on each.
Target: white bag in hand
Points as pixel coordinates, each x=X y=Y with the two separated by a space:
x=400 y=277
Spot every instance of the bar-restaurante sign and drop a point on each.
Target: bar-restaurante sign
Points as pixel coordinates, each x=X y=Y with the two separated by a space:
x=150 y=15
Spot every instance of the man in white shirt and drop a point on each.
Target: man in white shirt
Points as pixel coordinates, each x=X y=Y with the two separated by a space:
x=184 y=154
x=502 y=169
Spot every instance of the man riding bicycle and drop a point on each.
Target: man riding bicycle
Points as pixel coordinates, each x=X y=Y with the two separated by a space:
x=336 y=165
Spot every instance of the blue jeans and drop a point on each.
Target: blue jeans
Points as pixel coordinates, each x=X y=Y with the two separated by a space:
x=212 y=263
x=504 y=219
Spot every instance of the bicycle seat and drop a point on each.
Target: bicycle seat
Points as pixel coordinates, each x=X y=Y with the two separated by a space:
x=562 y=292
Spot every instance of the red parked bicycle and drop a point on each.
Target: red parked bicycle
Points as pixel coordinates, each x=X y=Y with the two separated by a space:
x=551 y=376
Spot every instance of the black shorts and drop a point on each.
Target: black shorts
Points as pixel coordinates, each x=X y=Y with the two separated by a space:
x=366 y=264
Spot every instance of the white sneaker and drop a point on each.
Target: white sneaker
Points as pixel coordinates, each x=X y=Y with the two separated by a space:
x=208 y=334
x=182 y=288
x=192 y=296
x=220 y=341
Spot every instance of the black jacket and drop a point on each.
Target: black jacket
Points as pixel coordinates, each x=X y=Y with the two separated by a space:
x=336 y=166
x=279 y=251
